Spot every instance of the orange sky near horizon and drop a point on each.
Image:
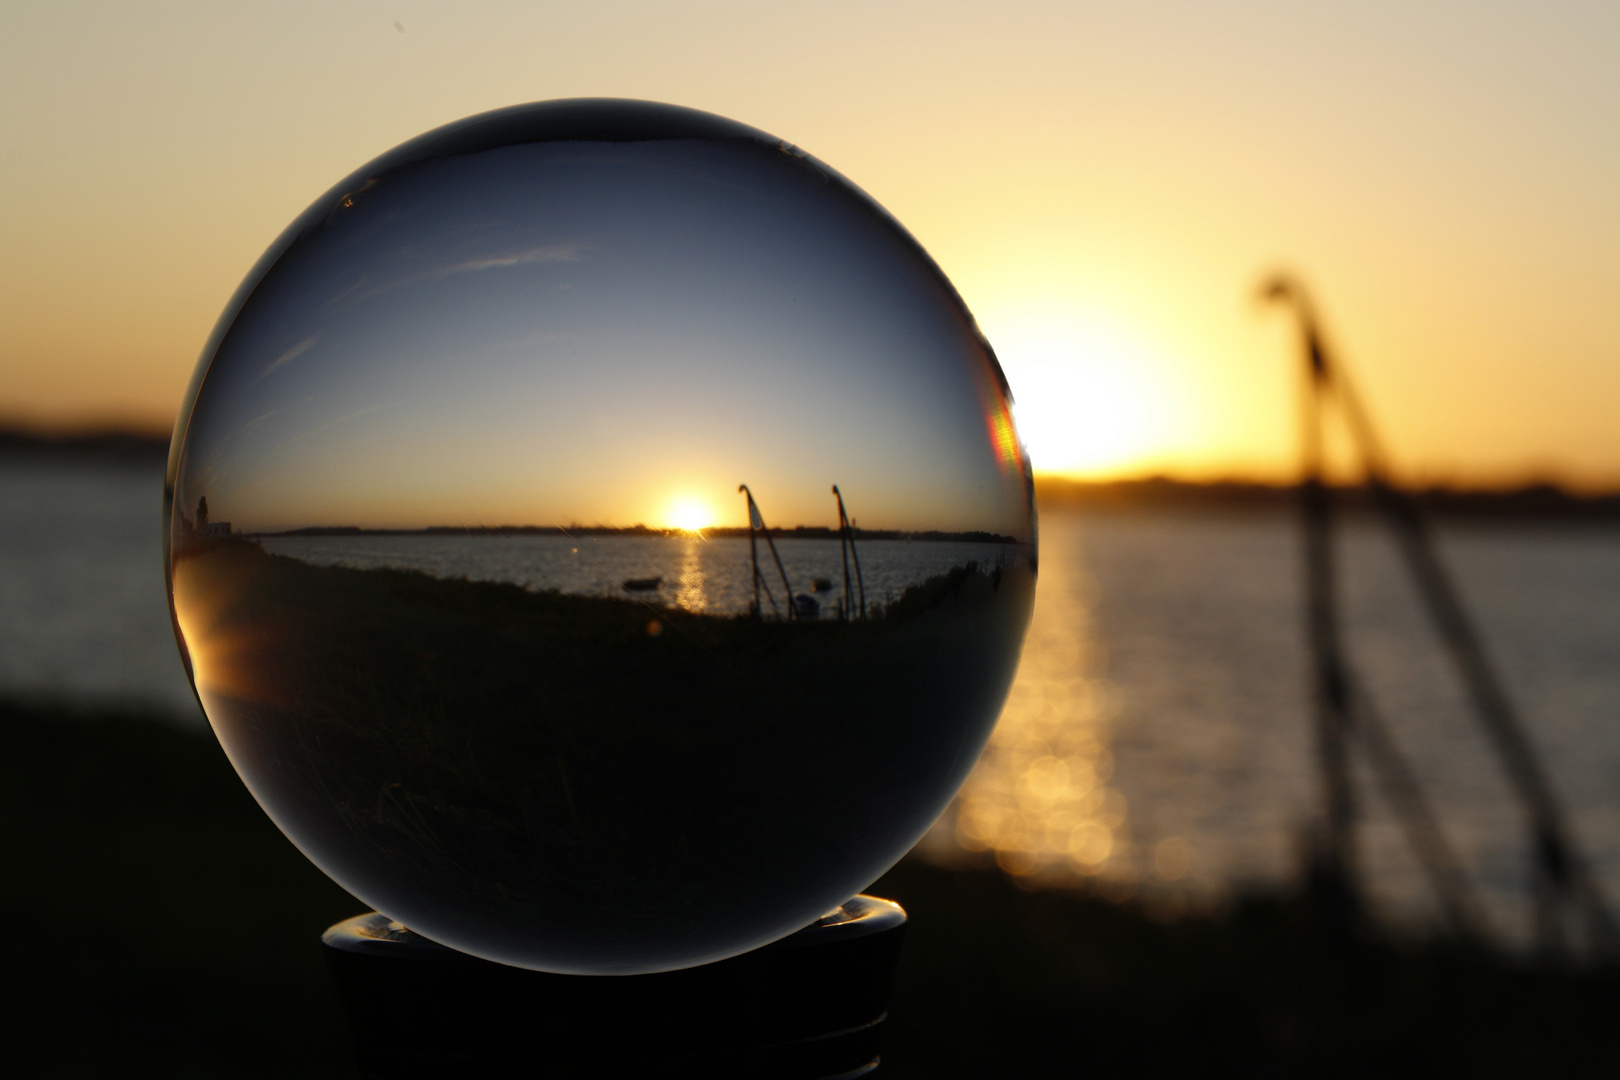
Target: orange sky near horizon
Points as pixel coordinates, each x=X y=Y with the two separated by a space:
x=1105 y=184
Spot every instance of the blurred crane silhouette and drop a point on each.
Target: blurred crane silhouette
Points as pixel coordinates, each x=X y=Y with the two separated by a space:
x=1346 y=715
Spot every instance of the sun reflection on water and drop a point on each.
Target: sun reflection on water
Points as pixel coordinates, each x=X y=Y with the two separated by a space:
x=689 y=586
x=1039 y=804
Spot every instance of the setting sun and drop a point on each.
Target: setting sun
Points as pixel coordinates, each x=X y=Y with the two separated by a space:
x=689 y=514
x=1089 y=401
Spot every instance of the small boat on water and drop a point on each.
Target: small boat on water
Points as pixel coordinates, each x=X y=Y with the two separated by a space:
x=642 y=584
x=820 y=584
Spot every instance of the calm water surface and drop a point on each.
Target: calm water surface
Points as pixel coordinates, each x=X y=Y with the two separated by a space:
x=700 y=574
x=83 y=618
x=1156 y=741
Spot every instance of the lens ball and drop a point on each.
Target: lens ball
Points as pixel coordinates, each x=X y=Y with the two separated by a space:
x=597 y=534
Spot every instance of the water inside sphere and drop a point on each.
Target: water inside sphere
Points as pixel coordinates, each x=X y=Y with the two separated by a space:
x=505 y=553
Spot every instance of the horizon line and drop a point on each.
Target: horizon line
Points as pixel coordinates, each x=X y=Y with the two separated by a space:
x=126 y=440
x=786 y=532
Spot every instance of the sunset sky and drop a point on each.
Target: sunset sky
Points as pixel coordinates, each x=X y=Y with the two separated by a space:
x=1106 y=184
x=502 y=329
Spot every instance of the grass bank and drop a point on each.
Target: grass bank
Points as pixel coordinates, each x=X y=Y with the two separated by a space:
x=159 y=925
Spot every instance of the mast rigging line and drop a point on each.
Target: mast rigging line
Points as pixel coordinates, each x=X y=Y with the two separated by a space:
x=756 y=526
x=1562 y=875
x=846 y=548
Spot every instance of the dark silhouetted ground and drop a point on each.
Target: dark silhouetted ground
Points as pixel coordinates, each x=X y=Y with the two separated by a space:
x=158 y=925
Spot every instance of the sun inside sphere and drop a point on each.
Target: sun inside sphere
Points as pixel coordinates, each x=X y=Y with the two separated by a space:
x=692 y=515
x=597 y=534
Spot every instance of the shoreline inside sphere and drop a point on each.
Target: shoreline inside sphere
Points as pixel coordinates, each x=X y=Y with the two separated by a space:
x=597 y=534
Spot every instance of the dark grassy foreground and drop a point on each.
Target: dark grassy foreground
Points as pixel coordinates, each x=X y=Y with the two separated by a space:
x=157 y=924
x=585 y=781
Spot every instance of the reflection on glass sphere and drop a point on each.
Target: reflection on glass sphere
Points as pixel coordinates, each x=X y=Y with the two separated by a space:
x=468 y=586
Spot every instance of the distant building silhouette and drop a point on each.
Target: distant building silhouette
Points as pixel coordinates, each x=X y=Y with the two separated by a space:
x=212 y=530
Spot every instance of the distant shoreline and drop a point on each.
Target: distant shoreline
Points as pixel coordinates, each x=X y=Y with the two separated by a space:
x=110 y=444
x=797 y=532
x=1530 y=501
x=1534 y=501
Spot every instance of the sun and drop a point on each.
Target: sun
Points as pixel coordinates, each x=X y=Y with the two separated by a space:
x=1089 y=402
x=689 y=514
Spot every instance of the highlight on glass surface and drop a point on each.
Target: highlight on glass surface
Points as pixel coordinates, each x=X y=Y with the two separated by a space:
x=597 y=534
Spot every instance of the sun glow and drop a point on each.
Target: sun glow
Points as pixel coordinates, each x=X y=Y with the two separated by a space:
x=689 y=514
x=1090 y=402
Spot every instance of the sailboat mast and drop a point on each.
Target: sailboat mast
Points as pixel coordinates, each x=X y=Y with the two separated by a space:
x=846 y=533
x=845 y=609
x=756 y=524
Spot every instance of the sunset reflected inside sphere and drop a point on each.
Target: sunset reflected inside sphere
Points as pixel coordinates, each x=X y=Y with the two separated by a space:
x=506 y=556
x=690 y=515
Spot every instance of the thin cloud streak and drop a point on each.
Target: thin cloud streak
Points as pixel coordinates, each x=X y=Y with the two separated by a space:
x=290 y=355
x=553 y=253
x=548 y=253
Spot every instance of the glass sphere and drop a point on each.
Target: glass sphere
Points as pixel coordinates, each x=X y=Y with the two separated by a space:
x=507 y=561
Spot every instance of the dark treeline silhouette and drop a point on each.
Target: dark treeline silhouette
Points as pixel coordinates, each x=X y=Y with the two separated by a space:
x=799 y=532
x=98 y=443
x=1541 y=500
x=1534 y=500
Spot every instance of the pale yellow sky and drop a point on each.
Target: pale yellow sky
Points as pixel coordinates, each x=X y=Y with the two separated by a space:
x=1105 y=183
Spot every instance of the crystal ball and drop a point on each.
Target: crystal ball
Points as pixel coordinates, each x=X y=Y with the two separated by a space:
x=597 y=534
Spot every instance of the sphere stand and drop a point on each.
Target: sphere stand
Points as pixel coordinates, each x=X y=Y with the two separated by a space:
x=808 y=1007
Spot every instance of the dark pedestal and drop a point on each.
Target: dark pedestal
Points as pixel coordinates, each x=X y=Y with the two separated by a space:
x=808 y=1007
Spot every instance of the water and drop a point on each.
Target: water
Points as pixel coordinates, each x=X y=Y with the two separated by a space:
x=696 y=573
x=82 y=614
x=1156 y=741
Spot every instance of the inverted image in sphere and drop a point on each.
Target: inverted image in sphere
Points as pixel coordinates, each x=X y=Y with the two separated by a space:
x=597 y=534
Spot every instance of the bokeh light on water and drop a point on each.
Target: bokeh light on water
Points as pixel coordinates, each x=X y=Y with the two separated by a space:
x=1039 y=803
